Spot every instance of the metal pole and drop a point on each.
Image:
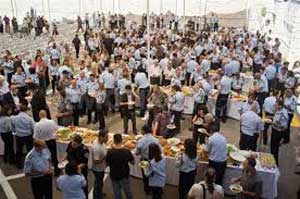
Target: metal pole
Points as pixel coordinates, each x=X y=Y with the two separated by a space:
x=205 y=7
x=49 y=12
x=183 y=17
x=12 y=7
x=148 y=37
x=161 y=6
x=113 y=6
x=43 y=8
x=79 y=7
x=119 y=7
x=176 y=7
x=16 y=9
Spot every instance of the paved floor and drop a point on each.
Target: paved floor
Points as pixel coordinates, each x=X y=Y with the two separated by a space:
x=288 y=182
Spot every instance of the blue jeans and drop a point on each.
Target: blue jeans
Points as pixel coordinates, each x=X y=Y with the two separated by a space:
x=118 y=185
x=98 y=185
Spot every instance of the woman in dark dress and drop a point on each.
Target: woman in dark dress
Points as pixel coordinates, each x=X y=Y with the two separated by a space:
x=38 y=103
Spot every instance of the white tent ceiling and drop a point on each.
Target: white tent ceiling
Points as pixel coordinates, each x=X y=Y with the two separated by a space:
x=70 y=8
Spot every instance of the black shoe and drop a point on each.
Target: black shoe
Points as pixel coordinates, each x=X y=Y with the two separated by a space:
x=95 y=122
x=88 y=122
x=191 y=129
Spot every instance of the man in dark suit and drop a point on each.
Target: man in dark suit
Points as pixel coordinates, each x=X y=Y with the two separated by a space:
x=128 y=108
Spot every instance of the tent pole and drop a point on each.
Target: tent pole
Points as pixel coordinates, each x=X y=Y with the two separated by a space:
x=183 y=17
x=148 y=38
x=12 y=7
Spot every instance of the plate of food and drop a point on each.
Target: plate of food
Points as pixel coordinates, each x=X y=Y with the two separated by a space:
x=130 y=103
x=143 y=164
x=237 y=156
x=198 y=122
x=231 y=148
x=236 y=188
x=171 y=126
x=173 y=141
x=203 y=131
x=150 y=106
x=62 y=164
x=175 y=149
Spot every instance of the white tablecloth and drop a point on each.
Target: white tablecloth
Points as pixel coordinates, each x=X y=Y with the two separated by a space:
x=232 y=106
x=269 y=177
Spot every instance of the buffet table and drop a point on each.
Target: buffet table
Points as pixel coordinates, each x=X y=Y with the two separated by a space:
x=269 y=177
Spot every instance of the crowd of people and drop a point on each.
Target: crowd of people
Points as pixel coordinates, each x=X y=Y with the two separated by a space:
x=110 y=73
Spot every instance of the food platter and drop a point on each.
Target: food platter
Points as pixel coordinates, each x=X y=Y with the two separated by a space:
x=245 y=153
x=236 y=188
x=237 y=156
x=173 y=141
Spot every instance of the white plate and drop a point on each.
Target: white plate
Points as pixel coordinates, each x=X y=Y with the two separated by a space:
x=198 y=122
x=171 y=126
x=173 y=141
x=236 y=186
x=203 y=131
x=149 y=106
x=245 y=153
x=237 y=156
x=131 y=103
x=62 y=164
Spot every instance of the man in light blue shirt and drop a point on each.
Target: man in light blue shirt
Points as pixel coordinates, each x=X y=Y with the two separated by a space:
x=23 y=127
x=222 y=99
x=279 y=128
x=251 y=126
x=290 y=104
x=109 y=81
x=269 y=108
x=142 y=82
x=38 y=167
x=270 y=73
x=74 y=95
x=142 y=149
x=217 y=153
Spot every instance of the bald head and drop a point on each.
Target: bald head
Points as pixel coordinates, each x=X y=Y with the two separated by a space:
x=42 y=114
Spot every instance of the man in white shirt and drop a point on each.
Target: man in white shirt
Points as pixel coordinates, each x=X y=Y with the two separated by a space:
x=221 y=103
x=269 y=108
x=45 y=130
x=217 y=152
x=251 y=126
x=55 y=53
x=142 y=82
x=98 y=162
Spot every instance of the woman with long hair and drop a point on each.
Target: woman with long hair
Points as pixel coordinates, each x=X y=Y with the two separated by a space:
x=72 y=183
x=156 y=171
x=187 y=164
x=207 y=188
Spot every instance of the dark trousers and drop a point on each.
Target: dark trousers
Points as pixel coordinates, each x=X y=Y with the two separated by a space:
x=186 y=181
x=76 y=113
x=220 y=170
x=221 y=106
x=177 y=118
x=90 y=116
x=9 y=154
x=100 y=114
x=157 y=192
x=77 y=52
x=143 y=92
x=146 y=182
x=198 y=137
x=110 y=98
x=98 y=184
x=42 y=187
x=260 y=99
x=265 y=134
x=20 y=142
x=51 y=144
x=129 y=115
x=248 y=142
x=53 y=83
x=288 y=132
x=276 y=138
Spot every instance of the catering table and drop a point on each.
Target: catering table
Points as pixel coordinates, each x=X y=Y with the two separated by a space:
x=268 y=177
